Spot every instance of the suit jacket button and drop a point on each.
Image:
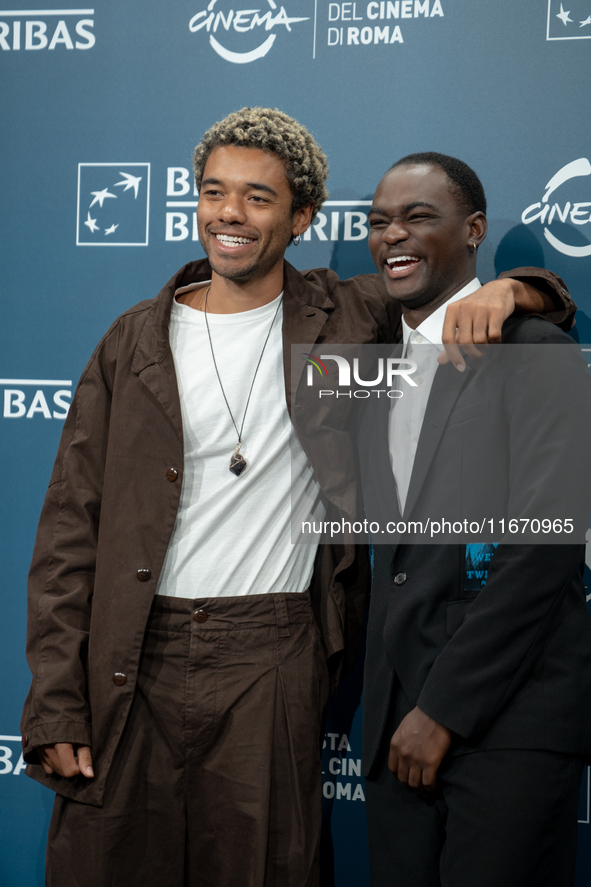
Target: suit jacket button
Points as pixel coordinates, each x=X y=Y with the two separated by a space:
x=400 y=578
x=119 y=679
x=143 y=574
x=172 y=475
x=200 y=616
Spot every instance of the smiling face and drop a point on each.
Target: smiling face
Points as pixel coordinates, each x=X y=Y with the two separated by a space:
x=245 y=214
x=419 y=236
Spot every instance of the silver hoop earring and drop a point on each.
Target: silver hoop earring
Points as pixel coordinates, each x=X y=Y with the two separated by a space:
x=297 y=239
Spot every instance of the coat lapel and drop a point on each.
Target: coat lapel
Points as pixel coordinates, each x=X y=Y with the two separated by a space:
x=306 y=308
x=153 y=362
x=385 y=494
x=447 y=385
x=379 y=456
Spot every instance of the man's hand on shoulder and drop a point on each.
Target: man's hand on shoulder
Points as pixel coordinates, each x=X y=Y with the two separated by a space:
x=417 y=749
x=478 y=318
x=61 y=758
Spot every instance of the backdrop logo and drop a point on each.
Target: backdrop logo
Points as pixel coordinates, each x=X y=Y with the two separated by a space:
x=568 y=21
x=340 y=220
x=11 y=756
x=32 y=398
x=379 y=22
x=113 y=204
x=577 y=213
x=46 y=29
x=250 y=24
x=340 y=764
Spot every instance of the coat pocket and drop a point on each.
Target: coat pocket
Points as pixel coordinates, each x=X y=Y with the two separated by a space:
x=455 y=615
x=469 y=411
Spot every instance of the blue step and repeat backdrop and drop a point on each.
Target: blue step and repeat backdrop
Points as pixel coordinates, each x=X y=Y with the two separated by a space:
x=100 y=110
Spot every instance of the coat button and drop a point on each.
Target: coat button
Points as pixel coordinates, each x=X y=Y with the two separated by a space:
x=24 y=740
x=172 y=475
x=400 y=578
x=143 y=574
x=200 y=616
x=119 y=679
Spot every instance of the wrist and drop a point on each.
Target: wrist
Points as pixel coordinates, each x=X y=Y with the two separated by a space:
x=528 y=299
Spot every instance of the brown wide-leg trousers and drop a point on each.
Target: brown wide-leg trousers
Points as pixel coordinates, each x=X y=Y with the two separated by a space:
x=217 y=779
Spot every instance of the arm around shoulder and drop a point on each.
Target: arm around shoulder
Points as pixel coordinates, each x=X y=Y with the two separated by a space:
x=538 y=291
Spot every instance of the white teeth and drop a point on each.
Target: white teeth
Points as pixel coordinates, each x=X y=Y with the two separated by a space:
x=232 y=241
x=396 y=259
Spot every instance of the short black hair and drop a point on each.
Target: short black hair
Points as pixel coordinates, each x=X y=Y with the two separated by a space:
x=465 y=184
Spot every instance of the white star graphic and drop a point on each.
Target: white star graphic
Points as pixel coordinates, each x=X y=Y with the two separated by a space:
x=586 y=22
x=111 y=230
x=99 y=196
x=91 y=223
x=563 y=16
x=129 y=181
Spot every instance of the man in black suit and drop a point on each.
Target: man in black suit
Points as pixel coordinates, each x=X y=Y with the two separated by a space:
x=476 y=697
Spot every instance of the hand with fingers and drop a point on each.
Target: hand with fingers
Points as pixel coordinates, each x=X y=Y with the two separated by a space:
x=477 y=320
x=417 y=748
x=66 y=759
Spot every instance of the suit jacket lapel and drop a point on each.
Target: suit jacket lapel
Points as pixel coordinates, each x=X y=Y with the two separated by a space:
x=447 y=385
x=384 y=485
x=385 y=491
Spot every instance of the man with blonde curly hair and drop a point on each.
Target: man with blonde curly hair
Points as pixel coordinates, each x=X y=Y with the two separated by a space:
x=273 y=131
x=174 y=629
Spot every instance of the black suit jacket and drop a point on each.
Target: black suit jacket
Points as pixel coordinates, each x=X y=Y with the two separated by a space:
x=509 y=665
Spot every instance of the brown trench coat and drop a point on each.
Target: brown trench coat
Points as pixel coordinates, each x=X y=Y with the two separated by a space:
x=112 y=503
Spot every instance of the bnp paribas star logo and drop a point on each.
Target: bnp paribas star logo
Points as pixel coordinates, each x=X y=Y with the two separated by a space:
x=569 y=21
x=113 y=204
x=240 y=35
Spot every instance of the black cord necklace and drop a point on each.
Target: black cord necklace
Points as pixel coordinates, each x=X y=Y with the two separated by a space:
x=237 y=462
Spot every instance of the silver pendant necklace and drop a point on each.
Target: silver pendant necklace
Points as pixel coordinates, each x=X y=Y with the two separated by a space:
x=237 y=461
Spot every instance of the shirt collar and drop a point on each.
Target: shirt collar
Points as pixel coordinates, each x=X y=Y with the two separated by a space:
x=431 y=329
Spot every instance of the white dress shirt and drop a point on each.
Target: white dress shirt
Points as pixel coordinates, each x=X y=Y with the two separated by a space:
x=423 y=345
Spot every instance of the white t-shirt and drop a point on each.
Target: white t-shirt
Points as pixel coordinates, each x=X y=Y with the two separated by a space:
x=232 y=534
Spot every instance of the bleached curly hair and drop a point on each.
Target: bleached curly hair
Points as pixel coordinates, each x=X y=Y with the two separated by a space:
x=273 y=131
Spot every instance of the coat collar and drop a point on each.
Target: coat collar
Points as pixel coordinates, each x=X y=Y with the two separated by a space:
x=153 y=344
x=299 y=295
x=306 y=307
